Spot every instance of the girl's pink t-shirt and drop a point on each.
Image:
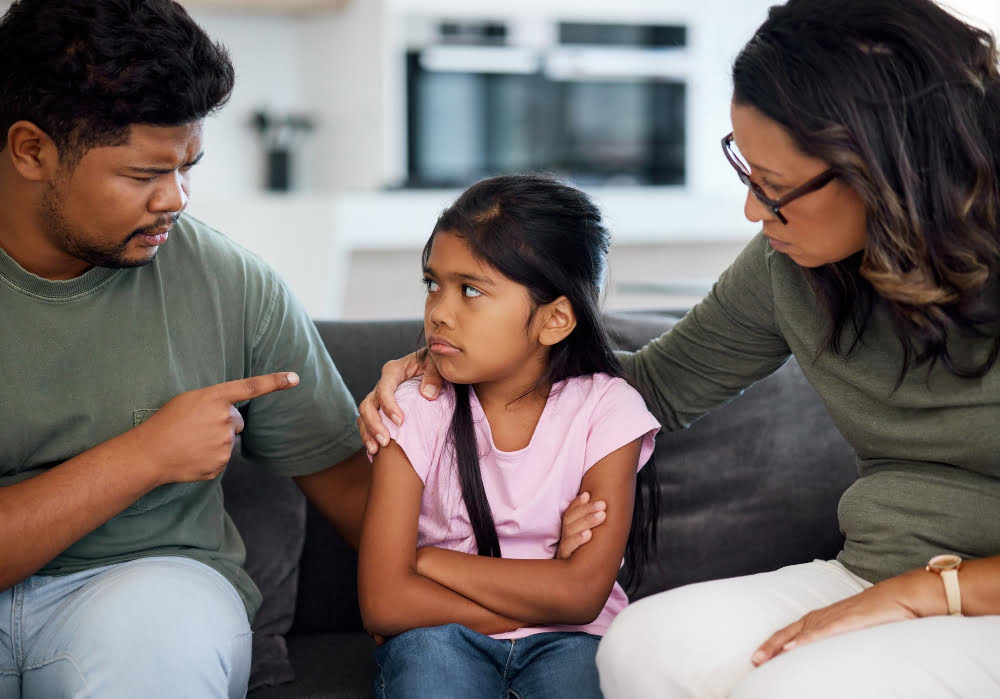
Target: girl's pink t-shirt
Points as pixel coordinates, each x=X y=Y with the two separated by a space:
x=585 y=419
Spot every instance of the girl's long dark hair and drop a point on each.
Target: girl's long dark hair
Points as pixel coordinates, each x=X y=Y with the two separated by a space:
x=548 y=237
x=903 y=100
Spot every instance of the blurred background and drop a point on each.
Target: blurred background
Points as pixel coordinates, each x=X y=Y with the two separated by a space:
x=354 y=122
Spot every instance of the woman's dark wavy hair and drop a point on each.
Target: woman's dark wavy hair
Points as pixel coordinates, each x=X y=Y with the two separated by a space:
x=84 y=71
x=549 y=238
x=903 y=100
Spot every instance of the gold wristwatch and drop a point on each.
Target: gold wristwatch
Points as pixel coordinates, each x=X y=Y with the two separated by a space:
x=946 y=565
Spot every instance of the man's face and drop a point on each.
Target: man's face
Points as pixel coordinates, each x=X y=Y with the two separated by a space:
x=116 y=206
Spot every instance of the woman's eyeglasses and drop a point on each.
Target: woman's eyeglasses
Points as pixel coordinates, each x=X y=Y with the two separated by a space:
x=773 y=205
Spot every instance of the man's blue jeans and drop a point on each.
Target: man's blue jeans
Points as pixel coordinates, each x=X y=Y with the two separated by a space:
x=451 y=661
x=154 y=627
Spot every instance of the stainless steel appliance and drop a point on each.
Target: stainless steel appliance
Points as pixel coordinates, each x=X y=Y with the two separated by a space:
x=599 y=103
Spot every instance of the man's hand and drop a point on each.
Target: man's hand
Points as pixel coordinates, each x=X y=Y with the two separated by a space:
x=191 y=437
x=580 y=517
x=394 y=372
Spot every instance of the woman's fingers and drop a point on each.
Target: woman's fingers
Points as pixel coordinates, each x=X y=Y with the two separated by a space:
x=383 y=397
x=430 y=384
x=781 y=640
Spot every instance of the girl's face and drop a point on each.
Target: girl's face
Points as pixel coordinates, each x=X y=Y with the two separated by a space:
x=479 y=324
x=824 y=226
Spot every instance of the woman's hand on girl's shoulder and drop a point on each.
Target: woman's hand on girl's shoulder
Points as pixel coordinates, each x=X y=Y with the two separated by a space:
x=383 y=396
x=580 y=517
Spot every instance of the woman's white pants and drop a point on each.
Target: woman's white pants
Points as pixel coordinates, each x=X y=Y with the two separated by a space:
x=696 y=641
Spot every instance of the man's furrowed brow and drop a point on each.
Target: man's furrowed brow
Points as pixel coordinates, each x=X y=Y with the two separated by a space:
x=167 y=170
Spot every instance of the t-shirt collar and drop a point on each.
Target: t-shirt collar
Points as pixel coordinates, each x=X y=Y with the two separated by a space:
x=23 y=281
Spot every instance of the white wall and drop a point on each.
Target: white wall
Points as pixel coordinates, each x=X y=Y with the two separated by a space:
x=327 y=65
x=984 y=13
x=267 y=53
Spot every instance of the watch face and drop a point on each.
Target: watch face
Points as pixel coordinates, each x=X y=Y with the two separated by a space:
x=946 y=561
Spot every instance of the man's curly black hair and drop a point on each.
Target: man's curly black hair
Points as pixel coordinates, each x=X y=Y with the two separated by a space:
x=84 y=71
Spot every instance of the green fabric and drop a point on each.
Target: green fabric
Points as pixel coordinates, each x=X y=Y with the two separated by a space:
x=87 y=359
x=928 y=453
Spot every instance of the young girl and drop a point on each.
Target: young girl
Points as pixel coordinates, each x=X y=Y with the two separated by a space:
x=457 y=563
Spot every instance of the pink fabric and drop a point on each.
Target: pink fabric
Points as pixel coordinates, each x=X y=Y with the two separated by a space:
x=585 y=419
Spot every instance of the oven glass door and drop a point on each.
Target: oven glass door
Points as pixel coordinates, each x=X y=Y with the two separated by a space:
x=463 y=126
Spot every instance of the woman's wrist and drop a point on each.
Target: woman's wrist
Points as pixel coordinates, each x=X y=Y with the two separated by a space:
x=925 y=593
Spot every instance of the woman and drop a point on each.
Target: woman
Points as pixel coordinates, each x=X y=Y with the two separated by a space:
x=868 y=134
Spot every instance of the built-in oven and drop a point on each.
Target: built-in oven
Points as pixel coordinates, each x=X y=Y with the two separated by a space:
x=598 y=103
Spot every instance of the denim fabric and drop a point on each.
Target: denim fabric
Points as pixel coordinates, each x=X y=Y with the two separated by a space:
x=451 y=661
x=152 y=627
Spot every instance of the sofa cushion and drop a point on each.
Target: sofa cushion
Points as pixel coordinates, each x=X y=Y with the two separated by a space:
x=329 y=565
x=270 y=513
x=328 y=666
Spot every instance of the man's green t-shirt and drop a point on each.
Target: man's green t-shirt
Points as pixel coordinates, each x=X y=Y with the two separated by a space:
x=928 y=452
x=87 y=359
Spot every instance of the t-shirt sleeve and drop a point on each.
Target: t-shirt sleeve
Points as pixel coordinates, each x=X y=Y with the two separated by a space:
x=725 y=343
x=620 y=417
x=310 y=427
x=426 y=425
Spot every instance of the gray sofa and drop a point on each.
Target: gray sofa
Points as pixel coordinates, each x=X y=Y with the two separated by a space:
x=750 y=487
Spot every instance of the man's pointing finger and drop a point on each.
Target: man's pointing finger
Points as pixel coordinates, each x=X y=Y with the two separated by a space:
x=256 y=386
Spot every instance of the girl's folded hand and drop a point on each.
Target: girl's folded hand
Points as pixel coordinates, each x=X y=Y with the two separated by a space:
x=577 y=521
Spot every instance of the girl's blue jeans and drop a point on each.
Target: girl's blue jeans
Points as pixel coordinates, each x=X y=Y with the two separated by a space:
x=441 y=662
x=153 y=627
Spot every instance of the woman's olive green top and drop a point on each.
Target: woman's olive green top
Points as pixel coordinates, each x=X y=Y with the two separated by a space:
x=928 y=452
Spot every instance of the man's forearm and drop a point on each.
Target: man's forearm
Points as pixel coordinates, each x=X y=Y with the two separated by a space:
x=42 y=516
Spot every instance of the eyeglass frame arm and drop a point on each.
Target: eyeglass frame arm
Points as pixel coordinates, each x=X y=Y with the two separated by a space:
x=774 y=205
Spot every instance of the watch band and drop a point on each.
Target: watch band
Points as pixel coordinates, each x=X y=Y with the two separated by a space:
x=952 y=591
x=947 y=565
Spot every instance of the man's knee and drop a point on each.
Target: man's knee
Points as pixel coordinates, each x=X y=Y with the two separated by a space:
x=149 y=625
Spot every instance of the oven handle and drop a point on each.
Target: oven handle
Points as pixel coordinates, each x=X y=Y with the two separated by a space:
x=480 y=59
x=591 y=63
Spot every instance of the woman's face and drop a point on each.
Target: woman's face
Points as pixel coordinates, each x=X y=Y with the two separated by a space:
x=824 y=226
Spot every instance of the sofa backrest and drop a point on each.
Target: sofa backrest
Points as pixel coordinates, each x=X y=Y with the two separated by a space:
x=750 y=487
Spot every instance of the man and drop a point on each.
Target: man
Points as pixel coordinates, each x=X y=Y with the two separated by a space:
x=134 y=343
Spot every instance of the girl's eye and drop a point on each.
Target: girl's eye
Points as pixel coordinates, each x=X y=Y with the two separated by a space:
x=430 y=284
x=470 y=291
